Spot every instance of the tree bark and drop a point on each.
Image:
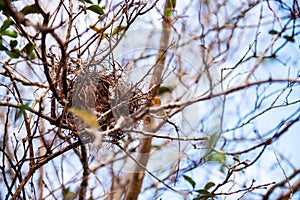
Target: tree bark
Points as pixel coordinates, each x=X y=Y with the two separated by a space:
x=137 y=177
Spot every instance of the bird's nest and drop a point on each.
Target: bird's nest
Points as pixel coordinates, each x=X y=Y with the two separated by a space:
x=106 y=96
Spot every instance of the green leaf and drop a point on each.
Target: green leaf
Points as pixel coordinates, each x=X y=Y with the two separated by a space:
x=31 y=56
x=88 y=117
x=15 y=53
x=10 y=33
x=118 y=29
x=99 y=1
x=67 y=190
x=6 y=24
x=209 y=185
x=216 y=156
x=28 y=49
x=68 y=195
x=96 y=9
x=173 y=3
x=20 y=111
x=213 y=139
x=289 y=38
x=168 y=12
x=190 y=180
x=273 y=32
x=31 y=9
x=164 y=89
x=1 y=46
x=4 y=8
x=203 y=194
x=202 y=191
x=13 y=43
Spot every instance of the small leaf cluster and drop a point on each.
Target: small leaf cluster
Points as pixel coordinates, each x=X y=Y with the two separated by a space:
x=202 y=194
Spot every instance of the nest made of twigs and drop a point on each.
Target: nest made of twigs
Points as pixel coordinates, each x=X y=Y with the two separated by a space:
x=108 y=96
